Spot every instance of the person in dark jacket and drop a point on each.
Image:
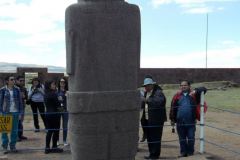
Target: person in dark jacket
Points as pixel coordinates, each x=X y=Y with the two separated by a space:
x=52 y=117
x=62 y=98
x=20 y=83
x=154 y=113
x=183 y=113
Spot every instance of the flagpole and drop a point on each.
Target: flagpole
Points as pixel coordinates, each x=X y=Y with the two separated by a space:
x=207 y=43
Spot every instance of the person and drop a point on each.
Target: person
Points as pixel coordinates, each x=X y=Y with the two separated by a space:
x=36 y=95
x=10 y=104
x=183 y=113
x=154 y=112
x=20 y=83
x=52 y=117
x=62 y=91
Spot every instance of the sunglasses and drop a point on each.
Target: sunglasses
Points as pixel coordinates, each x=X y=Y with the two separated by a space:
x=11 y=79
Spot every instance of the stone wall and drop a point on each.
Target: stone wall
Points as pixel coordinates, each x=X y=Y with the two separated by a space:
x=161 y=75
x=175 y=75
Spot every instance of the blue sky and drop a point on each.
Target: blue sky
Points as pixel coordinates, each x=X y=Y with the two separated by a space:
x=173 y=32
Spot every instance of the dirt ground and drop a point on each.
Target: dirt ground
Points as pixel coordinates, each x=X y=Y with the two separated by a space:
x=170 y=150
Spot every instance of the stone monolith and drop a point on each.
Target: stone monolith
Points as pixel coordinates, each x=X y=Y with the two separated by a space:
x=103 y=60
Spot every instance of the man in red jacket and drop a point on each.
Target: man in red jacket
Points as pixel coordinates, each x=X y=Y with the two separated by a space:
x=183 y=113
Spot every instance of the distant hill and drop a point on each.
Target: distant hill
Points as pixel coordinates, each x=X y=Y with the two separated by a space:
x=11 y=67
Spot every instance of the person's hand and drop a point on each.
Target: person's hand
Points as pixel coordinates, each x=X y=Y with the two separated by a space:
x=192 y=93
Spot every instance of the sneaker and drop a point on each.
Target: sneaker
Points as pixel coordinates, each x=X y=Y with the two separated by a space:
x=65 y=144
x=37 y=130
x=5 y=151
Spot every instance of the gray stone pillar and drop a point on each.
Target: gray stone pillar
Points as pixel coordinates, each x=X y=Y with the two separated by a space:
x=103 y=60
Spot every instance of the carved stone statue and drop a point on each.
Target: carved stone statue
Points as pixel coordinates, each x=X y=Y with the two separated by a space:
x=103 y=60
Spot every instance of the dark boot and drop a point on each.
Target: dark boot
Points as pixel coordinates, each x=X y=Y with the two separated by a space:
x=143 y=138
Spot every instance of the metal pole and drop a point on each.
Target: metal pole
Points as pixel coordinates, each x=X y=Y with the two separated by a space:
x=202 y=124
x=207 y=43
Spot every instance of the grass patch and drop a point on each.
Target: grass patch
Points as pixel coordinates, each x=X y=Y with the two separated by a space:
x=227 y=98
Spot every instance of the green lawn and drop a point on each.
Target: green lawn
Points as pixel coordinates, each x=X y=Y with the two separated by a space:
x=225 y=99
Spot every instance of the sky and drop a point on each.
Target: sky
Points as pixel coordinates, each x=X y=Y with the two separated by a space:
x=173 y=32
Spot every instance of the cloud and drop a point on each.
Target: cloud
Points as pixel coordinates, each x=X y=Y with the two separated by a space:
x=193 y=6
x=229 y=42
x=36 y=17
x=216 y=59
x=34 y=27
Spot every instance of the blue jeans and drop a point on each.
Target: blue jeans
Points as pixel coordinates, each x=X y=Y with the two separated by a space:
x=65 y=125
x=13 y=134
x=186 y=134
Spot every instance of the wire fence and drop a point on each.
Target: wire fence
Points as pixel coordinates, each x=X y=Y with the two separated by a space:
x=222 y=146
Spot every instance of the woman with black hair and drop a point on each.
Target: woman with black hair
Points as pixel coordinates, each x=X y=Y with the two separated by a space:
x=52 y=117
x=36 y=97
x=62 y=91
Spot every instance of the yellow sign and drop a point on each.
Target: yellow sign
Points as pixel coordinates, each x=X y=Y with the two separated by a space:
x=5 y=123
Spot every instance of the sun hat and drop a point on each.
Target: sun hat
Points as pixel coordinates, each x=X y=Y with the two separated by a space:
x=148 y=81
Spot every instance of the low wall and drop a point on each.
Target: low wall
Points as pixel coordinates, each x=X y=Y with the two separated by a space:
x=175 y=75
x=164 y=75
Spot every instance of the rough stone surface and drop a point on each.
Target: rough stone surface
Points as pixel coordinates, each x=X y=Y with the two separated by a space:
x=103 y=61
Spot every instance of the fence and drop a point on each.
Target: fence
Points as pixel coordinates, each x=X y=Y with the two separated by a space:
x=202 y=127
x=202 y=137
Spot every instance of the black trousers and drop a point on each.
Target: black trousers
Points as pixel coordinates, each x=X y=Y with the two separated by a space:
x=53 y=127
x=154 y=138
x=38 y=107
x=144 y=123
